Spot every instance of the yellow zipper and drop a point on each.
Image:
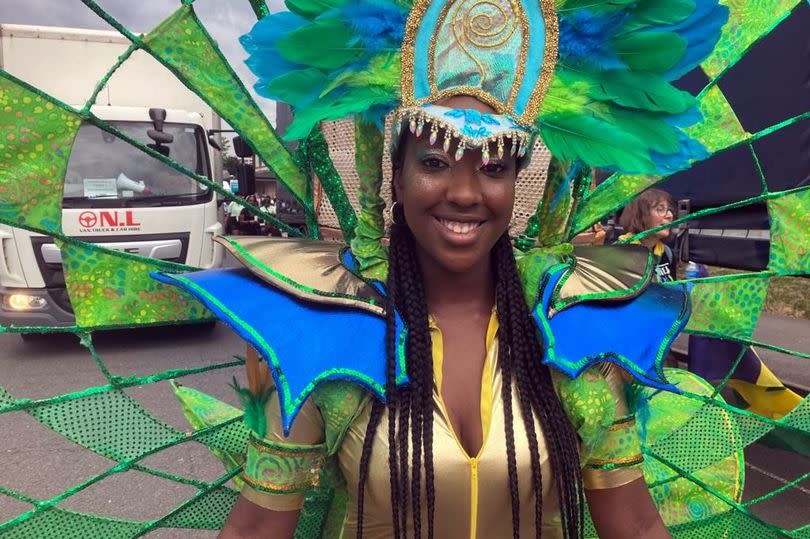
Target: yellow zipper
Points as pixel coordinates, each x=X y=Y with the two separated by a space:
x=438 y=352
x=474 y=498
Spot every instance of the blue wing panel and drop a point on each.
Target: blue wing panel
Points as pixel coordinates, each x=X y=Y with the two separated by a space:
x=303 y=342
x=634 y=334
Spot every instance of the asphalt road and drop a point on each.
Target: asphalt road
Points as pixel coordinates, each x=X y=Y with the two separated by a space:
x=41 y=464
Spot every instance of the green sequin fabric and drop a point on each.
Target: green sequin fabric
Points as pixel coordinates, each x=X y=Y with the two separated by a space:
x=186 y=48
x=108 y=289
x=367 y=244
x=749 y=21
x=720 y=127
x=36 y=137
x=790 y=245
x=729 y=309
x=659 y=414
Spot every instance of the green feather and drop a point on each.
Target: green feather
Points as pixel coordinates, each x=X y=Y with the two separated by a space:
x=636 y=90
x=310 y=9
x=321 y=44
x=655 y=52
x=651 y=13
x=595 y=6
x=254 y=407
x=383 y=72
x=656 y=133
x=595 y=141
x=335 y=107
x=290 y=86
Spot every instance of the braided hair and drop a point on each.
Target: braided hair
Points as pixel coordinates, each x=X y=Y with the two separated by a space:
x=410 y=408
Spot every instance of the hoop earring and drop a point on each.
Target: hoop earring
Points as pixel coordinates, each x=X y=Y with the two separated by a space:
x=392 y=216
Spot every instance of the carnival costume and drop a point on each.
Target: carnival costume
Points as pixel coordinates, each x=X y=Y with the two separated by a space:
x=574 y=85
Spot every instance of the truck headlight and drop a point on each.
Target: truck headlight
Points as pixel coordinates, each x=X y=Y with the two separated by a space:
x=25 y=302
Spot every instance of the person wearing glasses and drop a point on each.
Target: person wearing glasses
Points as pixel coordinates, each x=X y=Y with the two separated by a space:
x=651 y=209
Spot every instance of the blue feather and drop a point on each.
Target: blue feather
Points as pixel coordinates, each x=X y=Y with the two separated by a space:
x=584 y=38
x=691 y=152
x=701 y=30
x=264 y=59
x=379 y=26
x=564 y=189
x=688 y=118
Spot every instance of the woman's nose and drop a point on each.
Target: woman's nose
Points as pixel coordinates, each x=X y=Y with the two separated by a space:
x=464 y=188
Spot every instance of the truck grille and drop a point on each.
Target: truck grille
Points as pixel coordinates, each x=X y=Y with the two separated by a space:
x=169 y=247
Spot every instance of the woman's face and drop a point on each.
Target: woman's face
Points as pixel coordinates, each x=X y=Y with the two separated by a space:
x=661 y=213
x=456 y=210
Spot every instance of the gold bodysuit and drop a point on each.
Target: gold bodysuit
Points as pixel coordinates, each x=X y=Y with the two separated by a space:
x=472 y=492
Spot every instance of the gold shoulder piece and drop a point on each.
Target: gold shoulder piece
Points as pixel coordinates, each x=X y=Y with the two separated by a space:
x=614 y=272
x=307 y=269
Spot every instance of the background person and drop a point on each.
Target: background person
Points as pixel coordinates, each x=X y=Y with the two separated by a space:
x=649 y=210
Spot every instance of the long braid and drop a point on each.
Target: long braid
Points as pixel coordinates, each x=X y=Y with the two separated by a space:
x=414 y=309
x=410 y=409
x=535 y=385
x=376 y=412
x=511 y=460
x=510 y=317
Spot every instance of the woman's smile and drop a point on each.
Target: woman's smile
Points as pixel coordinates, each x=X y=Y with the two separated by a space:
x=459 y=231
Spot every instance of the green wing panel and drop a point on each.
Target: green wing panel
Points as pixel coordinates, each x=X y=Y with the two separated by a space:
x=611 y=195
x=111 y=424
x=720 y=127
x=36 y=137
x=72 y=525
x=748 y=21
x=729 y=308
x=182 y=44
x=110 y=289
x=790 y=242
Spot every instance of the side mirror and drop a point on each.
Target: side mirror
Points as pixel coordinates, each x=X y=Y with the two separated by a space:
x=213 y=142
x=241 y=148
x=160 y=137
x=160 y=148
x=158 y=116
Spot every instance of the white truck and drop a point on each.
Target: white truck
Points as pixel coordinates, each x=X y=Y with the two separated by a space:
x=114 y=194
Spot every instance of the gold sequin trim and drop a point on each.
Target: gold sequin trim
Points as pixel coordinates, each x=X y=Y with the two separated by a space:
x=623 y=424
x=408 y=45
x=520 y=67
x=287 y=452
x=626 y=461
x=549 y=62
x=432 y=49
x=280 y=488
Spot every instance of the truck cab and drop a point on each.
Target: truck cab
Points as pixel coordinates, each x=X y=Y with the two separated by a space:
x=118 y=197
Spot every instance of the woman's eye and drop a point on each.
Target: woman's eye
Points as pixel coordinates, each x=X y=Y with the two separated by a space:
x=494 y=168
x=433 y=163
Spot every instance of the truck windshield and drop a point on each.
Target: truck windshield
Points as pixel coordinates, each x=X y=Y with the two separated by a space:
x=105 y=171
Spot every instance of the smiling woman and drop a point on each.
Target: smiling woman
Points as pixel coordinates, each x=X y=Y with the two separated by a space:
x=457 y=412
x=453 y=373
x=457 y=209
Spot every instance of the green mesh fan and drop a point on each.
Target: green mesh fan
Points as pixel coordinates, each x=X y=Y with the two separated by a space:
x=37 y=137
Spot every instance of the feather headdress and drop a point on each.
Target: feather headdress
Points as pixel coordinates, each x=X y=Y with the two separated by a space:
x=593 y=79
